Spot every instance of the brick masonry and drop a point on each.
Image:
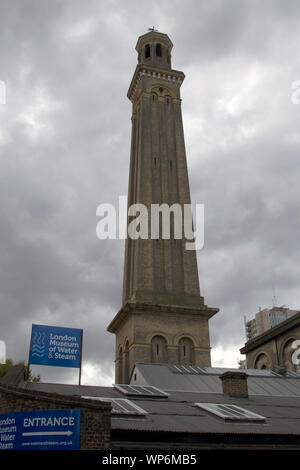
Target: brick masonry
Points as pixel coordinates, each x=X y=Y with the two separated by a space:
x=95 y=415
x=235 y=384
x=159 y=272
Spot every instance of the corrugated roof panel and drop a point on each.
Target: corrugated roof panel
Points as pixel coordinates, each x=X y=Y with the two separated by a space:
x=292 y=373
x=212 y=383
x=255 y=387
x=180 y=369
x=292 y=386
x=274 y=387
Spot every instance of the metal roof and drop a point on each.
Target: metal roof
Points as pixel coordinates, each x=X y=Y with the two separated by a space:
x=276 y=398
x=266 y=383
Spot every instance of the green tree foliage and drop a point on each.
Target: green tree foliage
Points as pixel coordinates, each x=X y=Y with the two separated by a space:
x=29 y=376
x=4 y=368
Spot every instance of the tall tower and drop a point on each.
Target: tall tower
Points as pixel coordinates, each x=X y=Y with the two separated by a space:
x=163 y=317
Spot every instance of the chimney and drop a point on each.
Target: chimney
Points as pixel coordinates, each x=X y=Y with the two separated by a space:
x=235 y=384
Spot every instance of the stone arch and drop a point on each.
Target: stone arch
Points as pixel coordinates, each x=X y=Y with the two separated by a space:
x=262 y=361
x=162 y=90
x=286 y=352
x=154 y=96
x=186 y=353
x=157 y=333
x=179 y=336
x=159 y=349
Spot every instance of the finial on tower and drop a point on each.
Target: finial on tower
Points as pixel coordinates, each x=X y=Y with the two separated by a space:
x=153 y=30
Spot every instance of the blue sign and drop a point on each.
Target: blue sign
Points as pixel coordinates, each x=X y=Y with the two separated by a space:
x=40 y=430
x=55 y=346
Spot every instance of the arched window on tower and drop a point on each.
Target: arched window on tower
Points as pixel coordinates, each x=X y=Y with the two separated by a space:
x=126 y=363
x=186 y=352
x=158 y=50
x=120 y=364
x=147 y=51
x=159 y=350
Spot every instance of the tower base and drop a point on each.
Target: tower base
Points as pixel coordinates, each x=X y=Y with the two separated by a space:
x=159 y=333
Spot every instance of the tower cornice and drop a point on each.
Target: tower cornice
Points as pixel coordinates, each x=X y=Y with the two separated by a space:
x=145 y=307
x=153 y=72
x=153 y=36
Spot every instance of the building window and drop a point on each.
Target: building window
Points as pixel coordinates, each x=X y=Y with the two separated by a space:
x=120 y=374
x=262 y=362
x=126 y=363
x=186 y=352
x=158 y=50
x=159 y=350
x=147 y=51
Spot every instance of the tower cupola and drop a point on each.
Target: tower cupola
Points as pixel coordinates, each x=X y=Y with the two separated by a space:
x=154 y=48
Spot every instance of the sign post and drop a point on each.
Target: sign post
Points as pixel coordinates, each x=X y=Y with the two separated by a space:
x=81 y=343
x=56 y=346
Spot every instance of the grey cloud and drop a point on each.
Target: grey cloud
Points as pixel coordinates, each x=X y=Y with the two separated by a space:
x=65 y=143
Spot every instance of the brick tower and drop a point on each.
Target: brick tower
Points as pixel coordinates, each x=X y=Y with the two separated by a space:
x=163 y=317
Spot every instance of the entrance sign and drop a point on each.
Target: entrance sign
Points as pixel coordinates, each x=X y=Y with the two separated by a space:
x=55 y=346
x=40 y=430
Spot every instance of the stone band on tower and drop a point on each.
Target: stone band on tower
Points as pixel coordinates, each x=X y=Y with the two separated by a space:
x=163 y=318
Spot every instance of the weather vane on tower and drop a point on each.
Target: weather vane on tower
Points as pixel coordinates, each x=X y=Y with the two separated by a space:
x=153 y=29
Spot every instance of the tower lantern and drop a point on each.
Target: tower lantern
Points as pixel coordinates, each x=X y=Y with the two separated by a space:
x=154 y=48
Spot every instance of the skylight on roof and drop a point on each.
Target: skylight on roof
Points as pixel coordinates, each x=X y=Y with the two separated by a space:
x=196 y=370
x=292 y=373
x=187 y=369
x=121 y=406
x=141 y=391
x=231 y=412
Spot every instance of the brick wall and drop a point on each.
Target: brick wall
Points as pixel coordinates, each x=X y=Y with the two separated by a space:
x=234 y=384
x=95 y=415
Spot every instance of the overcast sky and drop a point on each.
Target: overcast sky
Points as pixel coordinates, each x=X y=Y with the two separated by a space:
x=64 y=149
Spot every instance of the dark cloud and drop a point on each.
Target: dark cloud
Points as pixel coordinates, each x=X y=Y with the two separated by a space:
x=64 y=148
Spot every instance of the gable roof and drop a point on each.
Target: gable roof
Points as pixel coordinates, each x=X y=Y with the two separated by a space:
x=260 y=382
